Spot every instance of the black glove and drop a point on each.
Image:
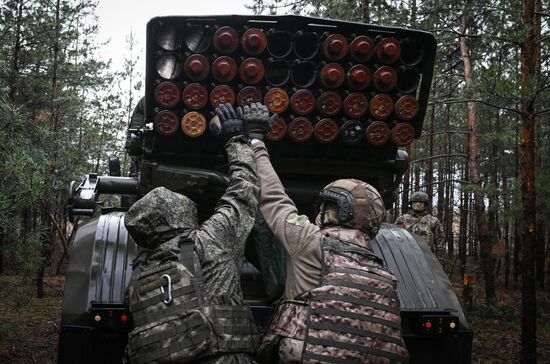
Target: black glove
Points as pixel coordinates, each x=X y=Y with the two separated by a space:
x=230 y=122
x=257 y=121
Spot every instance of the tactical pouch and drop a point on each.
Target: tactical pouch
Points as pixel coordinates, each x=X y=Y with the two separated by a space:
x=175 y=322
x=177 y=338
x=354 y=314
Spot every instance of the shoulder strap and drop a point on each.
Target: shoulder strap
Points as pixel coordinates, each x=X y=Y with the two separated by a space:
x=140 y=259
x=187 y=251
x=191 y=261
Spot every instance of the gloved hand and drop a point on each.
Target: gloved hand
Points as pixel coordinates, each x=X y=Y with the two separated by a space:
x=229 y=124
x=257 y=121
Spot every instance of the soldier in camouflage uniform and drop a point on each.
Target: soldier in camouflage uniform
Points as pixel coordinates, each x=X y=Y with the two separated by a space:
x=162 y=220
x=340 y=302
x=420 y=222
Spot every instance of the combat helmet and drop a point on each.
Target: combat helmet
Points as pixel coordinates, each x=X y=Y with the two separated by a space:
x=352 y=203
x=421 y=197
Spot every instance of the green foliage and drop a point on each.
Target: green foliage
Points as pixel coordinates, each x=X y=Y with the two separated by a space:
x=16 y=294
x=380 y=11
x=23 y=163
x=10 y=333
x=61 y=115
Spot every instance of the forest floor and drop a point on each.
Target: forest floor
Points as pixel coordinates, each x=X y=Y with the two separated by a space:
x=29 y=327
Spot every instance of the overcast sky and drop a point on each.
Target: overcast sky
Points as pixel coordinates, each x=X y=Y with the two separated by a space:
x=118 y=17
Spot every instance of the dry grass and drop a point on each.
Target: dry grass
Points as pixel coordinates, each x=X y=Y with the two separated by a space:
x=29 y=326
x=497 y=330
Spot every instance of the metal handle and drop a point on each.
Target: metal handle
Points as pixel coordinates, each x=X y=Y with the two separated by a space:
x=169 y=283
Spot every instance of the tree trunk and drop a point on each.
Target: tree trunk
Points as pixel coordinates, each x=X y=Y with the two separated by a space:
x=540 y=234
x=506 y=229
x=472 y=231
x=449 y=208
x=414 y=9
x=440 y=189
x=540 y=254
x=429 y=175
x=417 y=176
x=57 y=30
x=483 y=237
x=16 y=53
x=45 y=253
x=527 y=178
x=406 y=183
x=365 y=11
x=517 y=217
x=1 y=251
x=462 y=240
x=493 y=196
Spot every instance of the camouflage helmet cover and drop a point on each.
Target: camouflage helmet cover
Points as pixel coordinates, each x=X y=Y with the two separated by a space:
x=419 y=196
x=159 y=216
x=360 y=206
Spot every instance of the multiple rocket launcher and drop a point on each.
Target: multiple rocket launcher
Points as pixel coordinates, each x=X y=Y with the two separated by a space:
x=327 y=85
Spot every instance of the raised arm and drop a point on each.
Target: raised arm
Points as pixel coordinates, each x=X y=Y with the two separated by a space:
x=235 y=212
x=294 y=231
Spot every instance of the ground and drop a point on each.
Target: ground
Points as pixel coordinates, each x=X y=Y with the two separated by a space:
x=29 y=327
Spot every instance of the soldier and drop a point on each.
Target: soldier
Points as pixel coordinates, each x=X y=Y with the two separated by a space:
x=340 y=302
x=424 y=224
x=205 y=318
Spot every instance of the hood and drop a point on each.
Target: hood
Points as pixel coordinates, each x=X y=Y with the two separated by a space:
x=159 y=216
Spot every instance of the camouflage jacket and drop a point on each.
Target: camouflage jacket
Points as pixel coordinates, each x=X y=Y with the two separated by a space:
x=426 y=226
x=220 y=240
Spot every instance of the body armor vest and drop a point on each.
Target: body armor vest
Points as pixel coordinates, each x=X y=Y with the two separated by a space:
x=353 y=316
x=174 y=321
x=420 y=226
x=422 y=229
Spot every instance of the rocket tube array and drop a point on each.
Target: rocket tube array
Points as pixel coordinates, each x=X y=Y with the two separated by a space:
x=325 y=87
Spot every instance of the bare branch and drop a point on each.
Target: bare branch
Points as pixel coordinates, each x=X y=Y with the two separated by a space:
x=466 y=132
x=542 y=112
x=439 y=156
x=460 y=101
x=463 y=182
x=61 y=234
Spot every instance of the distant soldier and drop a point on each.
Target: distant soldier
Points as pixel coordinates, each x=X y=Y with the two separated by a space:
x=185 y=292
x=340 y=302
x=420 y=222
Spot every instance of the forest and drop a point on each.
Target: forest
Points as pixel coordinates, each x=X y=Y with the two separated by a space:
x=483 y=158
